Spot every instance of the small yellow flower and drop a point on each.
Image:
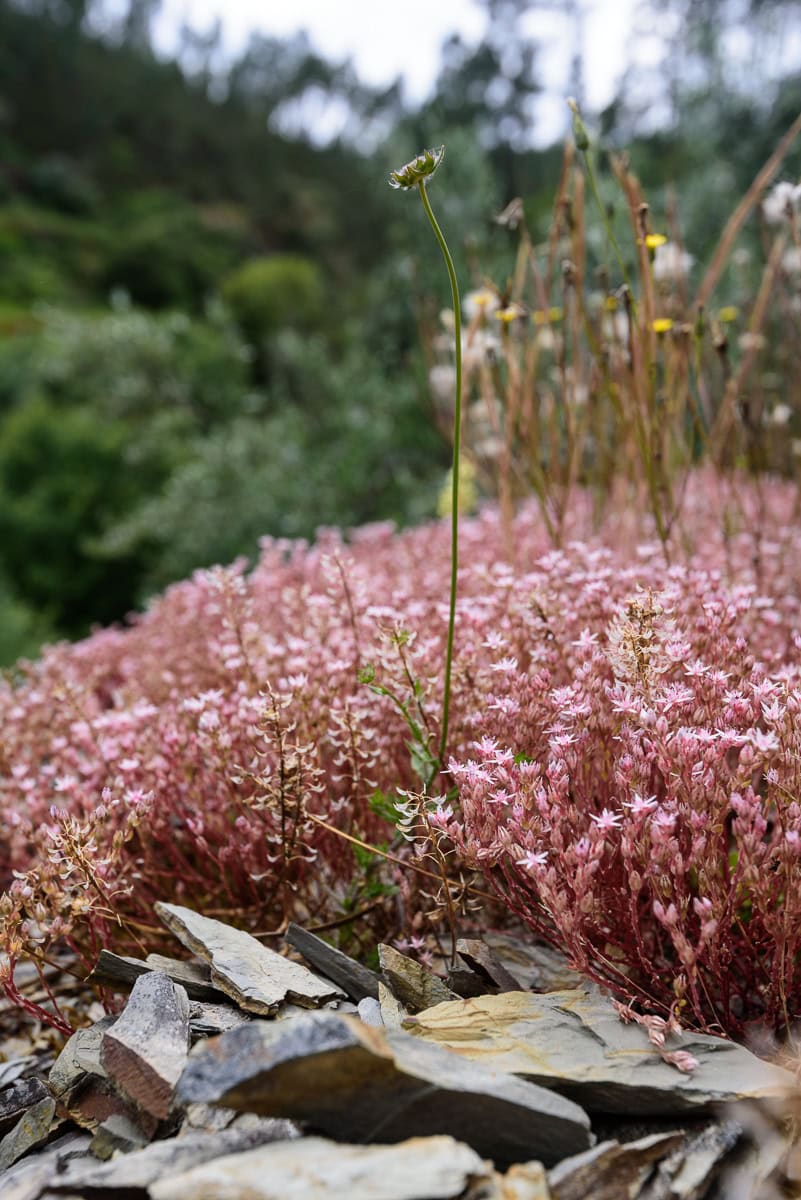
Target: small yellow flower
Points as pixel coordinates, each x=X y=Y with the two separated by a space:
x=730 y=312
x=610 y=303
x=654 y=240
x=662 y=325
x=547 y=316
x=512 y=312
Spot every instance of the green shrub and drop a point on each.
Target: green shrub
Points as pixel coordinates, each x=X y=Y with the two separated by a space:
x=269 y=294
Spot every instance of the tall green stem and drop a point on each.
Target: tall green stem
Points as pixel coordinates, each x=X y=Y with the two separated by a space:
x=457 y=439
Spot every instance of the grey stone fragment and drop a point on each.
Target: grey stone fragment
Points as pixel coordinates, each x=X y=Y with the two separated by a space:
x=122 y=972
x=145 y=1051
x=16 y=1067
x=433 y=1168
x=80 y=1057
x=350 y=1081
x=256 y=978
x=687 y=1173
x=393 y=1014
x=479 y=958
x=538 y=967
x=132 y=1174
x=207 y=1020
x=30 y=1131
x=355 y=980
x=117 y=1133
x=370 y=1012
x=574 y=1042
x=408 y=980
x=17 y=1099
x=610 y=1170
x=26 y=1179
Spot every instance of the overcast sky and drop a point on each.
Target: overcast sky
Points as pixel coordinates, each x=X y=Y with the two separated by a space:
x=386 y=39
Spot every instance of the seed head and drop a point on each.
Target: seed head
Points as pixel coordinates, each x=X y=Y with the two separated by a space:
x=419 y=170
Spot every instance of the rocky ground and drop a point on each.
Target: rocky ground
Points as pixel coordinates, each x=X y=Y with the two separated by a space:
x=241 y=1074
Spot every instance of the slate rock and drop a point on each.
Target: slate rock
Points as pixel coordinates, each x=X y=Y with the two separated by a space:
x=688 y=1172
x=353 y=1082
x=79 y=1058
x=31 y=1130
x=256 y=978
x=207 y=1020
x=574 y=1042
x=122 y=972
x=356 y=981
x=145 y=1051
x=26 y=1179
x=393 y=1014
x=610 y=1170
x=119 y=1132
x=538 y=967
x=408 y=980
x=483 y=962
x=370 y=1012
x=131 y=1175
x=17 y=1099
x=432 y=1168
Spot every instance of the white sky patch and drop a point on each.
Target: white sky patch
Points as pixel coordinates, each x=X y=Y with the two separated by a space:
x=386 y=39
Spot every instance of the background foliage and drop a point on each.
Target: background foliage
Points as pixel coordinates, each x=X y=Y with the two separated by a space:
x=210 y=321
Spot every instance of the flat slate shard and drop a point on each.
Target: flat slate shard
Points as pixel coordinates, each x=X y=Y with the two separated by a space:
x=575 y=1043
x=26 y=1179
x=481 y=960
x=610 y=1170
x=688 y=1172
x=131 y=1175
x=355 y=980
x=145 y=1051
x=356 y=1083
x=256 y=978
x=539 y=968
x=30 y=1131
x=17 y=1099
x=410 y=981
x=122 y=972
x=79 y=1058
x=432 y=1168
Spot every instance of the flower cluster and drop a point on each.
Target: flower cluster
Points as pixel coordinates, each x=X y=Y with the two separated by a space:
x=624 y=748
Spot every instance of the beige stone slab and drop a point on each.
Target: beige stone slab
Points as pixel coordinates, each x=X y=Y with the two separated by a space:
x=256 y=978
x=574 y=1041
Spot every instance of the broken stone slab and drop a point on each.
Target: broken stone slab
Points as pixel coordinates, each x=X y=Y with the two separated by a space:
x=79 y=1058
x=257 y=979
x=131 y=1175
x=523 y=1181
x=14 y=1068
x=118 y=1133
x=393 y=1014
x=207 y=1020
x=352 y=1082
x=122 y=972
x=31 y=1130
x=483 y=962
x=408 y=980
x=145 y=1051
x=26 y=1179
x=427 y=1168
x=538 y=967
x=355 y=980
x=575 y=1043
x=688 y=1172
x=17 y=1099
x=610 y=1170
x=369 y=1011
